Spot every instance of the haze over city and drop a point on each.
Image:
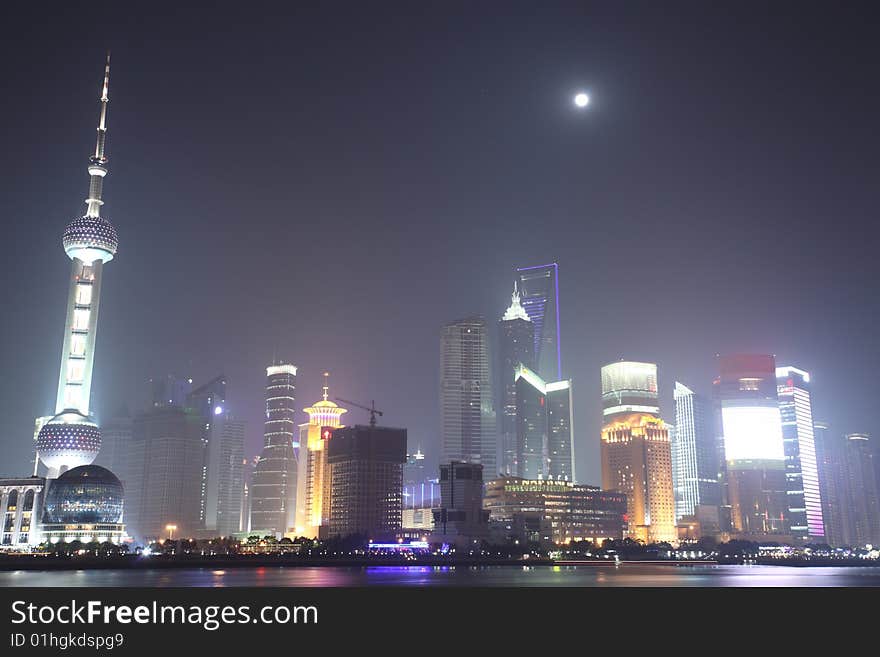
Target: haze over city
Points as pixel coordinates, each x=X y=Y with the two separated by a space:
x=330 y=189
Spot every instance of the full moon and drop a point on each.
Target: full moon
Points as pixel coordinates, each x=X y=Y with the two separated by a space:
x=582 y=100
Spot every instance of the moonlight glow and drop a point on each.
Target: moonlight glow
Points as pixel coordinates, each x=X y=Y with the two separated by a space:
x=582 y=100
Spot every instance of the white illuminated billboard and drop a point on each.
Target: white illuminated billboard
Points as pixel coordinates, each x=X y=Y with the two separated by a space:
x=752 y=433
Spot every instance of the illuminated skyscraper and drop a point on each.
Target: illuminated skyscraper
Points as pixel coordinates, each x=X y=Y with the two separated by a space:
x=545 y=438
x=273 y=485
x=467 y=416
x=71 y=438
x=695 y=465
x=750 y=426
x=635 y=450
x=313 y=478
x=539 y=294
x=801 y=470
x=516 y=346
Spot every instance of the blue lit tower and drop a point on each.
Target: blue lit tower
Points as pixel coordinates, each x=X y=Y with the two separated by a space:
x=539 y=295
x=71 y=438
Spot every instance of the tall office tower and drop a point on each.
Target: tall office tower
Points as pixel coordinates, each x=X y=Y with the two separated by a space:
x=467 y=417
x=116 y=440
x=863 y=496
x=166 y=487
x=247 y=473
x=545 y=438
x=168 y=390
x=222 y=455
x=801 y=470
x=460 y=519
x=539 y=293
x=635 y=449
x=516 y=345
x=695 y=466
x=366 y=471
x=828 y=488
x=209 y=401
x=273 y=485
x=747 y=406
x=313 y=478
x=71 y=438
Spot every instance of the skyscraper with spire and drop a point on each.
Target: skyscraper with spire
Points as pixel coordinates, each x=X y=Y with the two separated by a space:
x=71 y=437
x=313 y=479
x=516 y=346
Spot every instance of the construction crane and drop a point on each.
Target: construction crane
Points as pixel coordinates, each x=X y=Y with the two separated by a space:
x=371 y=408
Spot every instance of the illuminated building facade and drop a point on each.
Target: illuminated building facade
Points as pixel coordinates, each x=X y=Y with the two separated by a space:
x=21 y=503
x=539 y=295
x=366 y=474
x=516 y=346
x=71 y=438
x=805 y=521
x=695 y=458
x=754 y=453
x=273 y=484
x=635 y=450
x=313 y=478
x=467 y=415
x=545 y=438
x=564 y=511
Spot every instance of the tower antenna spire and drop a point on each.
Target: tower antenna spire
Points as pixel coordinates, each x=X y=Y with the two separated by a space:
x=98 y=161
x=326 y=384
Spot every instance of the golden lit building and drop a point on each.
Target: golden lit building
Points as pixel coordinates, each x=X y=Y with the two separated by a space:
x=313 y=481
x=636 y=451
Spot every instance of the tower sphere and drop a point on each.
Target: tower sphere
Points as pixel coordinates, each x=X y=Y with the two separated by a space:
x=90 y=239
x=68 y=440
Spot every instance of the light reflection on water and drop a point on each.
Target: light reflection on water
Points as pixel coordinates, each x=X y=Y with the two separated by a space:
x=578 y=576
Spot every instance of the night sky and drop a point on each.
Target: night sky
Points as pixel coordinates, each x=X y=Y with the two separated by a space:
x=331 y=185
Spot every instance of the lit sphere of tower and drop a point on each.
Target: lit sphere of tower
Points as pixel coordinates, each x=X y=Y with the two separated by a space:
x=68 y=440
x=90 y=239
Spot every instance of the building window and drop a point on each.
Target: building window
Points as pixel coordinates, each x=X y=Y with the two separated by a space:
x=84 y=294
x=76 y=368
x=81 y=319
x=77 y=344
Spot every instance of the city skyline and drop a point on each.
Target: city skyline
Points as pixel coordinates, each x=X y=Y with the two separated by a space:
x=399 y=371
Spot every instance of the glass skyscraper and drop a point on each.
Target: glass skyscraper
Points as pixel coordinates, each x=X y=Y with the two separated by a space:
x=516 y=346
x=695 y=465
x=801 y=469
x=545 y=438
x=539 y=294
x=467 y=416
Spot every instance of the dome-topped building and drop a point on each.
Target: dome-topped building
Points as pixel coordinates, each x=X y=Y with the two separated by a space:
x=84 y=504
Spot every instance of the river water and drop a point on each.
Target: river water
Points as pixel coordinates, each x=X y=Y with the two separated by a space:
x=625 y=574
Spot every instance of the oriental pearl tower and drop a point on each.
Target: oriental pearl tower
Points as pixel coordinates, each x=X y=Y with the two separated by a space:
x=71 y=437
